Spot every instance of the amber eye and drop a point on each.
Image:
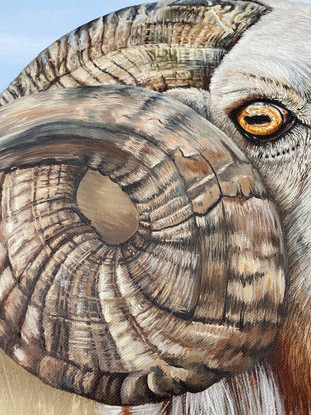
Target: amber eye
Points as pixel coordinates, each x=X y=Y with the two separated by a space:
x=263 y=121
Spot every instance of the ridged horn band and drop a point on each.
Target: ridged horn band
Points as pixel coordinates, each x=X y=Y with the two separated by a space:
x=158 y=46
x=193 y=296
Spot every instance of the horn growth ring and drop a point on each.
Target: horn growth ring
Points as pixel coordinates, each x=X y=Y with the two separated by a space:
x=190 y=295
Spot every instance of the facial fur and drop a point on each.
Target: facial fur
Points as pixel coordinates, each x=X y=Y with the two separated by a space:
x=265 y=65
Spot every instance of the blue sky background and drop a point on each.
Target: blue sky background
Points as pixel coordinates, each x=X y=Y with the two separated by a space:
x=29 y=26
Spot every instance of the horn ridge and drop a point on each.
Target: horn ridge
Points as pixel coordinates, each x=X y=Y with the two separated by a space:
x=140 y=317
x=158 y=46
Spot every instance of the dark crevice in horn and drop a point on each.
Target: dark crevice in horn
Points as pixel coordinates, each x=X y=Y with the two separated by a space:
x=229 y=265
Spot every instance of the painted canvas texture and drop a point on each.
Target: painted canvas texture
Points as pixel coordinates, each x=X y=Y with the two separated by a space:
x=155 y=193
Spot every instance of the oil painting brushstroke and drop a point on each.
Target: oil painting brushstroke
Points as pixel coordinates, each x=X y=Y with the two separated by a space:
x=155 y=210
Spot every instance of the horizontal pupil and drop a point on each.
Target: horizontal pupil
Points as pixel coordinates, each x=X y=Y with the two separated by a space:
x=257 y=119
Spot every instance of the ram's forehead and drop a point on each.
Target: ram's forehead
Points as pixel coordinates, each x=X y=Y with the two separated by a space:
x=273 y=58
x=291 y=21
x=283 y=34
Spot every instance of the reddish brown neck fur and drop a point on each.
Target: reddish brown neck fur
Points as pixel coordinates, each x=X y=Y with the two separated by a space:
x=291 y=364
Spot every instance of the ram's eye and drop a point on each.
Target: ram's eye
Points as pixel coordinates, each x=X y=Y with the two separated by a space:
x=262 y=121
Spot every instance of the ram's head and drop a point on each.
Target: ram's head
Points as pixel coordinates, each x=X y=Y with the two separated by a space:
x=153 y=196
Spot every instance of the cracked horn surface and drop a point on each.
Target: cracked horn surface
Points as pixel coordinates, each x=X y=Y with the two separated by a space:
x=193 y=296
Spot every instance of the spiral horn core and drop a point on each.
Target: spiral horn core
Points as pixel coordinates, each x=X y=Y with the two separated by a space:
x=193 y=295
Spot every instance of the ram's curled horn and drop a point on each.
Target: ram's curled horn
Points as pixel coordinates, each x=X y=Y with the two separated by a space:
x=157 y=46
x=191 y=294
x=173 y=285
